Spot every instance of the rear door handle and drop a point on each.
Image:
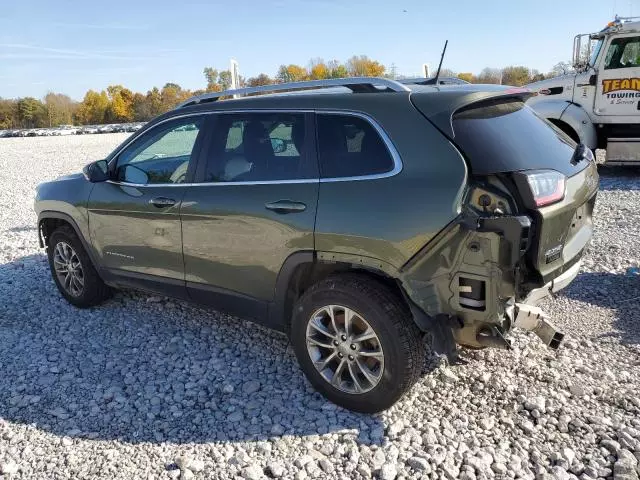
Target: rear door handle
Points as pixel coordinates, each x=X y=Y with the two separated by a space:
x=285 y=206
x=162 y=202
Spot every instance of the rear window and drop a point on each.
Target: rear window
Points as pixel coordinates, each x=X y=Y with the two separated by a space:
x=501 y=136
x=349 y=146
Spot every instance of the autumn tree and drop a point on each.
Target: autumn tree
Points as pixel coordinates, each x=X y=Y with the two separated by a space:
x=93 y=108
x=260 y=80
x=363 y=66
x=467 y=77
x=515 y=75
x=291 y=73
x=120 y=104
x=318 y=70
x=489 y=75
x=171 y=95
x=8 y=113
x=60 y=109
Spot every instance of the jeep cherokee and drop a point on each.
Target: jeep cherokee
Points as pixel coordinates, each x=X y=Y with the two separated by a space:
x=354 y=215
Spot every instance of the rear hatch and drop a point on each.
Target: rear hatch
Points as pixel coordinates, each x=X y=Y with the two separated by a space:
x=501 y=136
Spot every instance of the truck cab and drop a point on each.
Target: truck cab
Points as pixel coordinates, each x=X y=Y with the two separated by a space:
x=598 y=103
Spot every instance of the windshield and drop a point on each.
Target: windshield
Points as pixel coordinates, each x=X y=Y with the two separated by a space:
x=596 y=51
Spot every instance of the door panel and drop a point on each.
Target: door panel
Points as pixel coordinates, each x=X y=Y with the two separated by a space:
x=233 y=241
x=256 y=207
x=134 y=220
x=132 y=234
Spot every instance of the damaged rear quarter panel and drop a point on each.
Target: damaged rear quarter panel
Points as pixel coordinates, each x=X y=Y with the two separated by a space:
x=432 y=278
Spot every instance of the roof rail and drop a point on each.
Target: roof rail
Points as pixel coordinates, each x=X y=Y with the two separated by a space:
x=356 y=84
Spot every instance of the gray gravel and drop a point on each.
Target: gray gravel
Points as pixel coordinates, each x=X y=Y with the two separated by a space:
x=147 y=387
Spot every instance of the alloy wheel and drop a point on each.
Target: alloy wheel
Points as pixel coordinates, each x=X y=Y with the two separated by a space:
x=68 y=269
x=345 y=349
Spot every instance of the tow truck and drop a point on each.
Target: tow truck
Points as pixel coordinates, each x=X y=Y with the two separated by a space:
x=598 y=104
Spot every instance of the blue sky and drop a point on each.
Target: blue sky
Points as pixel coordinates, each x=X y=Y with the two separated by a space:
x=70 y=47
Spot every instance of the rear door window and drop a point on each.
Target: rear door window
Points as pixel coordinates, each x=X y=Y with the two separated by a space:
x=258 y=147
x=350 y=146
x=507 y=136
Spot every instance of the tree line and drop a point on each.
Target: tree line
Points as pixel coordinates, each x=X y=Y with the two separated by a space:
x=118 y=104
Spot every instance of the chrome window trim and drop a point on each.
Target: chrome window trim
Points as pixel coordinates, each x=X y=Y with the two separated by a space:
x=395 y=156
x=397 y=162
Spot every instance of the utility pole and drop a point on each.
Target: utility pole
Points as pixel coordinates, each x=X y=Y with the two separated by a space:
x=393 y=71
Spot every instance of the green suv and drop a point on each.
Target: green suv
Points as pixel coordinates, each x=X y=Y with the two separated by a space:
x=354 y=215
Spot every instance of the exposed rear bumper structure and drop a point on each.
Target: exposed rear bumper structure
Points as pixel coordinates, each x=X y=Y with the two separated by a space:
x=538 y=294
x=535 y=320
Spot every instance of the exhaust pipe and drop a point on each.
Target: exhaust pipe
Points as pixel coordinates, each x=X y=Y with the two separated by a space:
x=535 y=320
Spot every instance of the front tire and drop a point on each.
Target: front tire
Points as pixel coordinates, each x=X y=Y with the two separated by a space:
x=72 y=270
x=356 y=342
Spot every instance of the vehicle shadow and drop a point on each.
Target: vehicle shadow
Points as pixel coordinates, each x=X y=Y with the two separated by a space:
x=148 y=369
x=618 y=177
x=26 y=228
x=619 y=292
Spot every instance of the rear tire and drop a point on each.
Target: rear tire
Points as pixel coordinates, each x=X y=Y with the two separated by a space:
x=377 y=371
x=72 y=270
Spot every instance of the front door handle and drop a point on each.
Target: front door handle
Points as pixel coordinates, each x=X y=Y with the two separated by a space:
x=162 y=202
x=285 y=206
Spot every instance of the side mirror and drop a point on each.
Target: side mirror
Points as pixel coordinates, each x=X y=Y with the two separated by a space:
x=278 y=145
x=97 y=172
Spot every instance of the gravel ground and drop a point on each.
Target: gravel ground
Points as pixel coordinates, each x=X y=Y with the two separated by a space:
x=146 y=387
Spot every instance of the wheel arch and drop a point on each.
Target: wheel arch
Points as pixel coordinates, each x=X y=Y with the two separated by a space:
x=301 y=270
x=566 y=128
x=567 y=115
x=49 y=220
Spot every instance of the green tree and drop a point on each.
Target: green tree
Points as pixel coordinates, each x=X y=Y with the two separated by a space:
x=224 y=79
x=31 y=112
x=337 y=70
x=212 y=77
x=154 y=102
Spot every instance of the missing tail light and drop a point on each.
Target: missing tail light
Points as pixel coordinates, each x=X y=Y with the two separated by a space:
x=488 y=200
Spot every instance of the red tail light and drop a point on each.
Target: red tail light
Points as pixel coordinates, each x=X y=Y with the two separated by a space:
x=547 y=186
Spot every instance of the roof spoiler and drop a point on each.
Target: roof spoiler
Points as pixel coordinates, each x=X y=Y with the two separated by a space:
x=443 y=118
